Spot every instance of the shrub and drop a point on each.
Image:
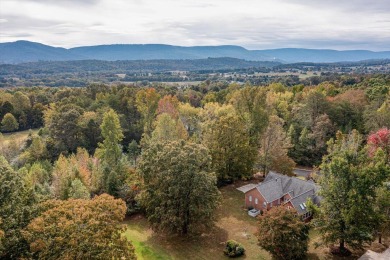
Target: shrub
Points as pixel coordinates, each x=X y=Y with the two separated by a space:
x=233 y=249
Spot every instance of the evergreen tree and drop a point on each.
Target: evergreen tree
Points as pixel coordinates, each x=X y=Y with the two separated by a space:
x=110 y=154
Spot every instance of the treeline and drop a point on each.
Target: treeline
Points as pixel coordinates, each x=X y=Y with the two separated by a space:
x=310 y=115
x=163 y=150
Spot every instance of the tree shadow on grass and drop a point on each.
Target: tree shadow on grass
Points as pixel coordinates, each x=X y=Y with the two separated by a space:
x=206 y=245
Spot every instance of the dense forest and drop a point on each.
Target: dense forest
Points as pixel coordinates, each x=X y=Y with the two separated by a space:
x=119 y=148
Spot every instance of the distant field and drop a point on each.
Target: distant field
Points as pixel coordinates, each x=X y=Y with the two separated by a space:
x=17 y=136
x=232 y=223
x=281 y=74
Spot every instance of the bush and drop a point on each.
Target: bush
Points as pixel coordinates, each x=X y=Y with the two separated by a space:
x=233 y=249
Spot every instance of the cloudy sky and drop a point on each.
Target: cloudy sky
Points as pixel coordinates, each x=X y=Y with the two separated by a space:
x=254 y=24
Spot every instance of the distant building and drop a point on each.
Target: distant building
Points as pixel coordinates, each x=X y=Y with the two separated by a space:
x=278 y=189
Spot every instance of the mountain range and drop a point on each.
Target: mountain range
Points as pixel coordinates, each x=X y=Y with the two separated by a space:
x=26 y=51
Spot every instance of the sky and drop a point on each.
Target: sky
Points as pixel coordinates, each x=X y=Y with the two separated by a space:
x=253 y=24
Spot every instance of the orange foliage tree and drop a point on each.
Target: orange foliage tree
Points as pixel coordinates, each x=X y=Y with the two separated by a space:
x=80 y=229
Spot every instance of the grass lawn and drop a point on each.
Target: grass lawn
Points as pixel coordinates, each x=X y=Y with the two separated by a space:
x=16 y=136
x=232 y=223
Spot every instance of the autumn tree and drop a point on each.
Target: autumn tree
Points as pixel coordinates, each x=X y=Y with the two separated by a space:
x=274 y=148
x=314 y=105
x=179 y=192
x=282 y=233
x=77 y=166
x=349 y=181
x=379 y=140
x=147 y=104
x=191 y=119
x=169 y=105
x=89 y=229
x=228 y=141
x=9 y=123
x=168 y=129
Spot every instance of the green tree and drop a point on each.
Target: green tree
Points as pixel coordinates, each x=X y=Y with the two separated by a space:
x=250 y=104
x=110 y=151
x=383 y=208
x=180 y=192
x=90 y=229
x=349 y=179
x=21 y=102
x=65 y=132
x=113 y=168
x=9 y=123
x=283 y=234
x=78 y=190
x=16 y=211
x=134 y=151
x=228 y=141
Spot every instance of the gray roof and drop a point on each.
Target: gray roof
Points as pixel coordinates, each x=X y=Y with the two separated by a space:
x=271 y=189
x=247 y=187
x=292 y=185
x=276 y=185
x=299 y=202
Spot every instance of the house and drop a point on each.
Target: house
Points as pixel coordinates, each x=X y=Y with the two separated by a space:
x=278 y=189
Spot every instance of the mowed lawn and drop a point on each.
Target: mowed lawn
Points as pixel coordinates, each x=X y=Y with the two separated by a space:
x=232 y=223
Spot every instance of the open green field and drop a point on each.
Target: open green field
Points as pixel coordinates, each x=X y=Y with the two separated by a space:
x=16 y=136
x=232 y=223
x=21 y=135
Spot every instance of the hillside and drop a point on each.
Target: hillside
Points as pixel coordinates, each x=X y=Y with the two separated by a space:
x=25 y=51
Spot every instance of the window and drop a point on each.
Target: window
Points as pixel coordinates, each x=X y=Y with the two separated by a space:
x=264 y=204
x=250 y=198
x=256 y=201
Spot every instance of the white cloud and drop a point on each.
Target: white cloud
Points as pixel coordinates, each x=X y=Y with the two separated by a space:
x=356 y=24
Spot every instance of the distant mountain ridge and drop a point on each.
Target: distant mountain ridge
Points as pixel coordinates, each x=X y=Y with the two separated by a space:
x=25 y=51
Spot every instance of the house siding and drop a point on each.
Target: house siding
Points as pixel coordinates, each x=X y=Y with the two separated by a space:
x=255 y=195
